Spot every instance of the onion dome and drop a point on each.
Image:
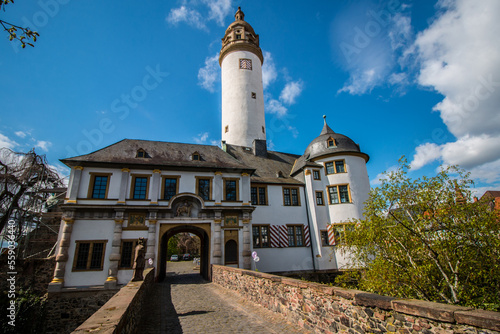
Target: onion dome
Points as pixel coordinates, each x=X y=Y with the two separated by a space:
x=240 y=36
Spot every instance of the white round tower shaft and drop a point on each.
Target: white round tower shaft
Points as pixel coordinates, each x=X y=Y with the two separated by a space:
x=243 y=117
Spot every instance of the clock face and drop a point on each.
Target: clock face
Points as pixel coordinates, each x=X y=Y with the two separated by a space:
x=246 y=64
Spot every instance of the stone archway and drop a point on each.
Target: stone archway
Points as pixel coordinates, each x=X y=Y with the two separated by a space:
x=200 y=232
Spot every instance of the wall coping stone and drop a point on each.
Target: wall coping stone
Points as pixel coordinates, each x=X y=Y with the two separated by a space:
x=479 y=318
x=107 y=318
x=419 y=308
x=374 y=300
x=431 y=310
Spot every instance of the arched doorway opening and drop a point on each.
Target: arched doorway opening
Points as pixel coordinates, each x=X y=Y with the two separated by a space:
x=231 y=253
x=204 y=249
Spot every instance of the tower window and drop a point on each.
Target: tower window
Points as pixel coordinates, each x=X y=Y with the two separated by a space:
x=245 y=64
x=238 y=36
x=331 y=142
x=254 y=95
x=263 y=130
x=226 y=129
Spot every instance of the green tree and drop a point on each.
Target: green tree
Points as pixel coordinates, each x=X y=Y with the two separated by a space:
x=428 y=239
x=23 y=34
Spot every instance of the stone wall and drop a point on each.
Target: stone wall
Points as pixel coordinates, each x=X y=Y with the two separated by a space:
x=122 y=313
x=67 y=309
x=327 y=309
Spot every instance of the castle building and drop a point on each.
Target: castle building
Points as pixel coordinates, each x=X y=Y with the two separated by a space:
x=238 y=198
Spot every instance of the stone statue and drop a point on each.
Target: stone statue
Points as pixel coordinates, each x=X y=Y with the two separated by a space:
x=139 y=261
x=184 y=208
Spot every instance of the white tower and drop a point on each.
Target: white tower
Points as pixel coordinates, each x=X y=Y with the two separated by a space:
x=243 y=119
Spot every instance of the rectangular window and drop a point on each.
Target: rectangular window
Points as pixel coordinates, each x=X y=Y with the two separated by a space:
x=140 y=186
x=340 y=231
x=337 y=166
x=324 y=238
x=319 y=198
x=258 y=195
x=231 y=190
x=99 y=185
x=204 y=187
x=89 y=255
x=260 y=236
x=127 y=253
x=340 y=166
x=170 y=187
x=339 y=194
x=329 y=168
x=291 y=197
x=246 y=64
x=316 y=175
x=295 y=235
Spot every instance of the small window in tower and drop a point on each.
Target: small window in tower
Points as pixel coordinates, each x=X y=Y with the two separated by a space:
x=331 y=142
x=226 y=129
x=238 y=36
x=263 y=130
x=246 y=64
x=254 y=95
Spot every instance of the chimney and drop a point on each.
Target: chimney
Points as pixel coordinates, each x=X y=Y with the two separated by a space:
x=260 y=148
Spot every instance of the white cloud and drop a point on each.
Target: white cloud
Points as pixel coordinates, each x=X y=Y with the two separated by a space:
x=7 y=142
x=377 y=181
x=190 y=16
x=291 y=91
x=373 y=47
x=276 y=107
x=210 y=73
x=202 y=138
x=219 y=9
x=269 y=73
x=459 y=58
x=20 y=134
x=425 y=154
x=43 y=145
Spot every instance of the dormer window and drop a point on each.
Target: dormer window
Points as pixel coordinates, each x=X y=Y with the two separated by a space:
x=141 y=153
x=196 y=156
x=331 y=142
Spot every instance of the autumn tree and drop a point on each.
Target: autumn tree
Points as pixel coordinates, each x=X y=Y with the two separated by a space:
x=23 y=34
x=428 y=239
x=22 y=177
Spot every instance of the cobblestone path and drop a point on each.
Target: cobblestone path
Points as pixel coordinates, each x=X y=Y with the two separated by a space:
x=185 y=303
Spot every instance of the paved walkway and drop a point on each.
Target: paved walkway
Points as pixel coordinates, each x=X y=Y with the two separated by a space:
x=185 y=303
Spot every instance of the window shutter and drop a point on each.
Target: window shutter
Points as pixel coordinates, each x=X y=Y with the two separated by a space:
x=307 y=238
x=331 y=234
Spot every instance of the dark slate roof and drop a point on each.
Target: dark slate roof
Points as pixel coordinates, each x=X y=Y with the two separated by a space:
x=318 y=148
x=164 y=155
x=266 y=168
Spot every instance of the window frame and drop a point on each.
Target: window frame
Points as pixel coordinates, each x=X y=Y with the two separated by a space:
x=132 y=186
x=134 y=245
x=338 y=194
x=339 y=232
x=322 y=197
x=224 y=190
x=316 y=174
x=268 y=229
x=163 y=178
x=325 y=242
x=295 y=239
x=258 y=187
x=210 y=185
x=291 y=196
x=89 y=255
x=93 y=175
x=334 y=166
x=328 y=142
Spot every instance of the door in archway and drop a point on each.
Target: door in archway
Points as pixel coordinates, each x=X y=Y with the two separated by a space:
x=231 y=252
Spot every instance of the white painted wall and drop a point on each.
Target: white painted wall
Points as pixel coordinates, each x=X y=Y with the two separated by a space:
x=243 y=114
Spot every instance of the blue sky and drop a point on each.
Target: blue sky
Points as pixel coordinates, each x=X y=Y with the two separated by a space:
x=413 y=78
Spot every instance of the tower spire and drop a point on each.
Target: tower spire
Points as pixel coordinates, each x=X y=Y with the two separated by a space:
x=239 y=16
x=326 y=128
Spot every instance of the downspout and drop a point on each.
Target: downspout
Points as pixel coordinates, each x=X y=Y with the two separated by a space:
x=309 y=225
